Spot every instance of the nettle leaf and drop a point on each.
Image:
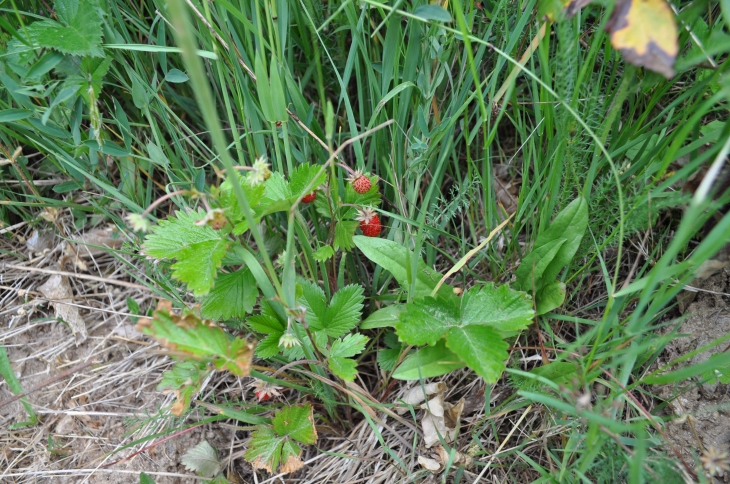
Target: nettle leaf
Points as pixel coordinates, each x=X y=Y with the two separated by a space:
x=202 y=459
x=198 y=339
x=233 y=296
x=274 y=448
x=473 y=326
x=184 y=379
x=343 y=313
x=77 y=32
x=395 y=258
x=645 y=32
x=569 y=225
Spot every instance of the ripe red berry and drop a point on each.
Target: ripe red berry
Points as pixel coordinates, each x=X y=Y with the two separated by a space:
x=360 y=183
x=309 y=198
x=369 y=222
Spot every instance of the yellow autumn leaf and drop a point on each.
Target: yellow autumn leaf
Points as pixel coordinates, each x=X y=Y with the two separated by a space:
x=645 y=32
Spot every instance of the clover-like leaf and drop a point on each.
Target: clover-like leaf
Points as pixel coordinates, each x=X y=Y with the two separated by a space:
x=274 y=447
x=342 y=314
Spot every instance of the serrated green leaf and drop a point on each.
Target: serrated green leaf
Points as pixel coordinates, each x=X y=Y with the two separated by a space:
x=426 y=320
x=324 y=253
x=264 y=449
x=198 y=264
x=277 y=188
x=77 y=32
x=428 y=362
x=296 y=422
x=483 y=349
x=344 y=310
x=199 y=339
x=350 y=345
x=233 y=296
x=170 y=237
x=227 y=200
x=550 y=297
x=385 y=317
x=314 y=301
x=345 y=368
x=202 y=459
x=344 y=232
x=387 y=358
x=395 y=258
x=303 y=176
x=265 y=323
x=269 y=346
x=500 y=307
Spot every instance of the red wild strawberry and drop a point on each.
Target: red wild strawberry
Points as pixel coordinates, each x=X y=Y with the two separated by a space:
x=360 y=183
x=369 y=222
x=309 y=198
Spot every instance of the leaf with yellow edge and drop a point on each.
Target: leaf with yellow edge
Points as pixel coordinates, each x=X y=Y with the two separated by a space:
x=645 y=32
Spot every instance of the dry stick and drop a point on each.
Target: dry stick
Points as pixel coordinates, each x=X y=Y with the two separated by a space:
x=457 y=267
x=504 y=442
x=77 y=276
x=46 y=383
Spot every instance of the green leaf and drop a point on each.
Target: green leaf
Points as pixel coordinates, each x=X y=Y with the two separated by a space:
x=570 y=224
x=501 y=307
x=198 y=265
x=296 y=422
x=383 y=318
x=344 y=311
x=264 y=449
x=428 y=362
x=324 y=253
x=77 y=32
x=303 y=176
x=199 y=339
x=350 y=345
x=345 y=368
x=269 y=346
x=145 y=479
x=550 y=297
x=541 y=257
x=176 y=76
x=265 y=324
x=202 y=459
x=185 y=379
x=396 y=258
x=8 y=115
x=157 y=156
x=170 y=237
x=344 y=232
x=482 y=348
x=387 y=358
x=432 y=12
x=233 y=296
x=341 y=316
x=426 y=320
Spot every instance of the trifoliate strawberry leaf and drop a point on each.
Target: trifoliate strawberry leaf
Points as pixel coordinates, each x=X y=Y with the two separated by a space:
x=198 y=264
x=202 y=459
x=426 y=320
x=306 y=178
x=340 y=317
x=345 y=368
x=265 y=323
x=387 y=358
x=482 y=348
x=229 y=202
x=277 y=188
x=350 y=345
x=344 y=232
x=233 y=296
x=77 y=32
x=274 y=445
x=200 y=339
x=170 y=237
